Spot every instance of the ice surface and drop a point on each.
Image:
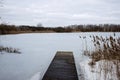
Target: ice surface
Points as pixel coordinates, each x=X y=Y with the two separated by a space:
x=35 y=77
x=38 y=49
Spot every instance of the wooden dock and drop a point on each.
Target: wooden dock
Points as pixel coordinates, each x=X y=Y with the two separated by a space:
x=62 y=67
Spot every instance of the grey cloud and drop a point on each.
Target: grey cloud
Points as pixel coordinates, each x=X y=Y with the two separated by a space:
x=61 y=12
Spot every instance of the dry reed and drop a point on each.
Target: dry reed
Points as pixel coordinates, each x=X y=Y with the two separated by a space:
x=107 y=50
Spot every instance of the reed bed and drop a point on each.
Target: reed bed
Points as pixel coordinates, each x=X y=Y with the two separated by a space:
x=106 y=56
x=105 y=48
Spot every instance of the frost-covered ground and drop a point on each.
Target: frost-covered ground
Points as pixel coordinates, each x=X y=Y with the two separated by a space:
x=38 y=49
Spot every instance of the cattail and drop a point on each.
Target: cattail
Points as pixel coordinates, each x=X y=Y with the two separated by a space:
x=107 y=39
x=97 y=38
x=105 y=47
x=111 y=38
x=98 y=43
x=94 y=39
x=108 y=45
x=114 y=34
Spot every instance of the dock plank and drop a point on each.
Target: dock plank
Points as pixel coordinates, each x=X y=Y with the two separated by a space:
x=62 y=67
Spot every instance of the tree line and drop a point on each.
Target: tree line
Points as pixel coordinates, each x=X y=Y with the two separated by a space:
x=13 y=29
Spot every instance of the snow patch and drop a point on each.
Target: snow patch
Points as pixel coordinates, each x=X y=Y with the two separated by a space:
x=103 y=70
x=36 y=76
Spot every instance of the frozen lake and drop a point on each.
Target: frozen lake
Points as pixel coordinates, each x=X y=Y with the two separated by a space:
x=38 y=49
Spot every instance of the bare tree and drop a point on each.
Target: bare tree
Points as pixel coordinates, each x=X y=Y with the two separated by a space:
x=39 y=25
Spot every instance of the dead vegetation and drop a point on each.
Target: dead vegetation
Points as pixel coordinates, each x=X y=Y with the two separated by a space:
x=107 y=53
x=9 y=50
x=106 y=48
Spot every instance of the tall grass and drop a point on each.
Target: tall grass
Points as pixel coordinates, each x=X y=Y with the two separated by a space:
x=105 y=48
x=107 y=53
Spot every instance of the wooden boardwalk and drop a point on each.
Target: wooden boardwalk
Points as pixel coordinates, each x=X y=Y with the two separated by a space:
x=62 y=67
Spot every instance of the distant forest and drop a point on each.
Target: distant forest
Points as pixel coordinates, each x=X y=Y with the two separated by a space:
x=13 y=29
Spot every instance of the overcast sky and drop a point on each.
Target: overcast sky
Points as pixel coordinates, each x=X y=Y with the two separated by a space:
x=60 y=12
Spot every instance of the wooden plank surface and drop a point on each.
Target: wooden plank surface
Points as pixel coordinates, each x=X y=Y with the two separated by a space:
x=62 y=67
